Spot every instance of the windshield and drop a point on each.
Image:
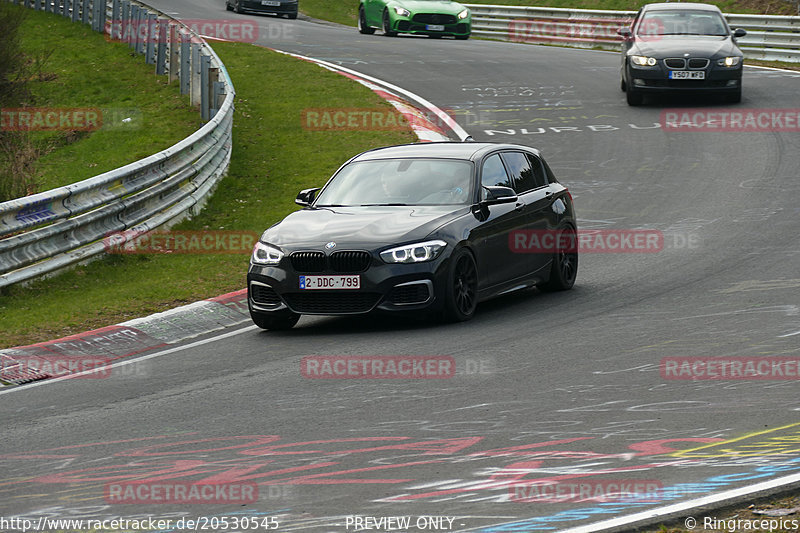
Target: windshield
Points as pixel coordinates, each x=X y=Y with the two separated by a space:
x=399 y=182
x=682 y=23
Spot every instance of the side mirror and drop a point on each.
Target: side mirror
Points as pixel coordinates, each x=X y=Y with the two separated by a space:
x=625 y=33
x=306 y=196
x=739 y=32
x=499 y=195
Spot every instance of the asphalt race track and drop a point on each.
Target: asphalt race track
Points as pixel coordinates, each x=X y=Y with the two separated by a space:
x=564 y=389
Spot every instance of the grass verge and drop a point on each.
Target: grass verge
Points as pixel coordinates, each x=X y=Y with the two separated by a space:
x=344 y=11
x=274 y=156
x=71 y=66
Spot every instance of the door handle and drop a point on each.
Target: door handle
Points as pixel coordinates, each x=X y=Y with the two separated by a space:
x=520 y=206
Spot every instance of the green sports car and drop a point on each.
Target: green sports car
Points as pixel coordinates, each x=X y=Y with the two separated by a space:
x=425 y=17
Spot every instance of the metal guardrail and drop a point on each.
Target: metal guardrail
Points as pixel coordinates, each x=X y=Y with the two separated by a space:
x=48 y=231
x=769 y=37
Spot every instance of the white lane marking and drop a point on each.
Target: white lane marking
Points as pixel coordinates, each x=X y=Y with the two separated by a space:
x=668 y=512
x=129 y=361
x=598 y=527
x=773 y=68
x=444 y=117
x=790 y=334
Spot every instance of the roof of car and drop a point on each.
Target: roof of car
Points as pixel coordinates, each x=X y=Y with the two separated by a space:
x=452 y=150
x=680 y=6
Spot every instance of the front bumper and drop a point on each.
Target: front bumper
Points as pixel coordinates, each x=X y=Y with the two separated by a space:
x=256 y=6
x=421 y=24
x=656 y=79
x=384 y=287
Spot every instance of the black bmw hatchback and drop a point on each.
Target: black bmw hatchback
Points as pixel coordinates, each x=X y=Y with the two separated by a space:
x=680 y=47
x=429 y=227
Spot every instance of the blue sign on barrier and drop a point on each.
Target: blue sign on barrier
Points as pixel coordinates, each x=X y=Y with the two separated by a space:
x=36 y=212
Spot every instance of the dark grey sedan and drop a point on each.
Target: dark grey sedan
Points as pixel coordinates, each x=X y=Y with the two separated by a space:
x=680 y=47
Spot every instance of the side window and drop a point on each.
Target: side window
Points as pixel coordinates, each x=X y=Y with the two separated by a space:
x=527 y=171
x=494 y=173
x=551 y=178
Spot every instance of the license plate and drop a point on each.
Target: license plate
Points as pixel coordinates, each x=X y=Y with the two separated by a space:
x=330 y=282
x=273 y=3
x=687 y=75
x=435 y=27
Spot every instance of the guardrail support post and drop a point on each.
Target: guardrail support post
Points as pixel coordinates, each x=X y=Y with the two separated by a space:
x=125 y=20
x=76 y=13
x=142 y=36
x=115 y=28
x=161 y=56
x=205 y=97
x=186 y=64
x=149 y=55
x=217 y=93
x=194 y=82
x=174 y=52
x=133 y=26
x=99 y=20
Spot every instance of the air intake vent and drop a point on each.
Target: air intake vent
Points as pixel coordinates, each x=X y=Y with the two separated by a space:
x=308 y=261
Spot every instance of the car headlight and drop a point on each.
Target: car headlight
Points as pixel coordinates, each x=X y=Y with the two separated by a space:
x=464 y=14
x=643 y=61
x=403 y=12
x=414 y=253
x=729 y=61
x=266 y=254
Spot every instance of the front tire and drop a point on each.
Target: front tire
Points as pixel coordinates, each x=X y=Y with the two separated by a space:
x=237 y=8
x=271 y=321
x=228 y=6
x=634 y=97
x=735 y=97
x=291 y=16
x=564 y=268
x=461 y=298
x=462 y=37
x=387 y=25
x=363 y=27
